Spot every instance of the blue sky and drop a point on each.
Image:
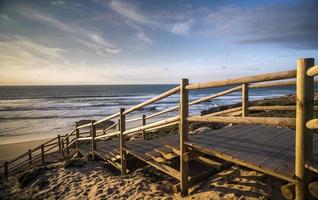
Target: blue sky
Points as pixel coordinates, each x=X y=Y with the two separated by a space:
x=148 y=41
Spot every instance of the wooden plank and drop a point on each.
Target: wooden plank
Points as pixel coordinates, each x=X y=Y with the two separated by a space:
x=212 y=152
x=226 y=141
x=280 y=159
x=270 y=147
x=162 y=167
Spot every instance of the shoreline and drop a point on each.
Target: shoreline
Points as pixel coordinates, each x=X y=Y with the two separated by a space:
x=12 y=150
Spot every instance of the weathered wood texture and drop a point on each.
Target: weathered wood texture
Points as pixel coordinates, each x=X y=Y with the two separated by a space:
x=304 y=113
x=264 y=148
x=249 y=79
x=268 y=149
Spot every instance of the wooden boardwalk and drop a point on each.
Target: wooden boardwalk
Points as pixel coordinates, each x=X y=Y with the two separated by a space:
x=265 y=148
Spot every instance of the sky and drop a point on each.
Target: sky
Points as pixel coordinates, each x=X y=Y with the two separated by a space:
x=69 y=42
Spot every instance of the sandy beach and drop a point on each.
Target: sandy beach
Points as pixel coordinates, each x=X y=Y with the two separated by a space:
x=95 y=180
x=10 y=151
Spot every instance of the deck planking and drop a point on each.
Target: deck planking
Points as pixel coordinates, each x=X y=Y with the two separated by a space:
x=259 y=146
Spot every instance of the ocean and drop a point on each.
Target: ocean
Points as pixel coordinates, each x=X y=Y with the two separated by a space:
x=38 y=112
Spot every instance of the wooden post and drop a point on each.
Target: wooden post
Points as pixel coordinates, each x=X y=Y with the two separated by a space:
x=59 y=141
x=62 y=146
x=93 y=132
x=143 y=123
x=67 y=150
x=6 y=172
x=122 y=142
x=77 y=142
x=183 y=131
x=42 y=154
x=304 y=112
x=244 y=100
x=30 y=156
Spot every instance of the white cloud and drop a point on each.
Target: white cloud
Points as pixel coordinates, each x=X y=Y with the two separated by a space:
x=289 y=24
x=144 y=37
x=91 y=38
x=129 y=11
x=4 y=17
x=57 y=2
x=182 y=27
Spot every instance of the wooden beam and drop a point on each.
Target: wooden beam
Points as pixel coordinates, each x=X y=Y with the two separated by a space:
x=197 y=101
x=152 y=100
x=122 y=141
x=304 y=112
x=143 y=123
x=42 y=154
x=312 y=71
x=244 y=100
x=106 y=118
x=227 y=111
x=276 y=121
x=152 y=125
x=276 y=84
x=93 y=131
x=30 y=156
x=77 y=141
x=283 y=108
x=195 y=179
x=248 y=79
x=183 y=132
x=312 y=124
x=67 y=148
x=209 y=162
x=162 y=126
x=59 y=141
x=6 y=172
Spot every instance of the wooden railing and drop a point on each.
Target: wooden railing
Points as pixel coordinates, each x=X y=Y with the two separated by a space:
x=303 y=122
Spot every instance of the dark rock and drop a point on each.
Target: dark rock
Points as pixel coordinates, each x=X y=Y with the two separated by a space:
x=30 y=176
x=76 y=162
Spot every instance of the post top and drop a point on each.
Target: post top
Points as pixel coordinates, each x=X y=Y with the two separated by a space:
x=305 y=59
x=184 y=81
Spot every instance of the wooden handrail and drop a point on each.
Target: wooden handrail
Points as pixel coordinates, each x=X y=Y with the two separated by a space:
x=162 y=126
x=198 y=101
x=134 y=119
x=275 y=84
x=227 y=111
x=55 y=138
x=46 y=150
x=277 y=121
x=152 y=100
x=312 y=71
x=248 y=79
x=106 y=118
x=107 y=135
x=148 y=126
x=312 y=124
x=292 y=108
x=110 y=127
